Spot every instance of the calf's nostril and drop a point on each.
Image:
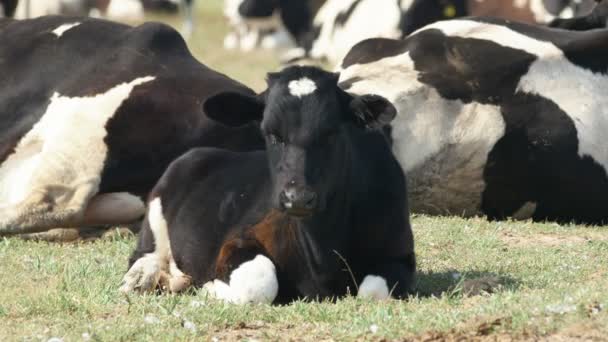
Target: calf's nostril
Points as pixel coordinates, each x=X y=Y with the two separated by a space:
x=311 y=201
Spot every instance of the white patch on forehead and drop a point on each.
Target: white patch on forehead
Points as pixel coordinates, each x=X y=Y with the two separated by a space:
x=302 y=87
x=66 y=147
x=59 y=31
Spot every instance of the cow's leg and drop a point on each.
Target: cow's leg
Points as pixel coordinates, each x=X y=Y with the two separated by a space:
x=390 y=278
x=158 y=267
x=47 y=207
x=246 y=275
x=41 y=211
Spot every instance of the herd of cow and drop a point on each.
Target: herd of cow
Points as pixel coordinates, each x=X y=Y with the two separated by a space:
x=305 y=189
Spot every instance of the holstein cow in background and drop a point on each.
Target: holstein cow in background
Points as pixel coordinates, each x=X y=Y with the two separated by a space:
x=340 y=24
x=495 y=117
x=596 y=19
x=7 y=8
x=327 y=196
x=92 y=110
x=129 y=10
x=272 y=24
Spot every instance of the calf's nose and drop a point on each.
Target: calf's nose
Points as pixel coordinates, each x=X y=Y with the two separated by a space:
x=298 y=200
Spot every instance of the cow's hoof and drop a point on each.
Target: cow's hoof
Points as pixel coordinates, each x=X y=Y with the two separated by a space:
x=143 y=276
x=254 y=281
x=54 y=235
x=219 y=290
x=373 y=287
x=179 y=283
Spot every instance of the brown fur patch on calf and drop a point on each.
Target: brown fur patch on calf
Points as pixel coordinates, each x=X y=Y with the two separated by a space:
x=274 y=236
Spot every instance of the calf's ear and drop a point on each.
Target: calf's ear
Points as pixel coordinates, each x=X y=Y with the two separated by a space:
x=234 y=109
x=372 y=111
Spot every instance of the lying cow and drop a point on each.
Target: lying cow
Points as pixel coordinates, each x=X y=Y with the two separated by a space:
x=340 y=24
x=594 y=20
x=495 y=117
x=130 y=10
x=327 y=196
x=92 y=110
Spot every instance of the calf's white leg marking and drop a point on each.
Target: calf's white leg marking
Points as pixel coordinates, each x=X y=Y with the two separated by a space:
x=57 y=165
x=254 y=281
x=146 y=272
x=59 y=31
x=373 y=287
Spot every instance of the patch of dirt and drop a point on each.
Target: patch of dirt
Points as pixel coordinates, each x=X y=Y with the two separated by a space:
x=266 y=332
x=545 y=240
x=494 y=331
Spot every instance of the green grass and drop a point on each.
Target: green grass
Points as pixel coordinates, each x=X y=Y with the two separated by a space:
x=547 y=280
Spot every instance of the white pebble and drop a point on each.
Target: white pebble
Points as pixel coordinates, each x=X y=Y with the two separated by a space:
x=373 y=328
x=196 y=304
x=55 y=339
x=149 y=319
x=560 y=309
x=86 y=336
x=189 y=326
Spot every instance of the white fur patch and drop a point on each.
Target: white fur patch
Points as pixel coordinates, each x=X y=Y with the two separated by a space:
x=302 y=87
x=129 y=10
x=36 y=8
x=373 y=287
x=253 y=281
x=159 y=228
x=59 y=31
x=145 y=272
x=63 y=155
x=335 y=41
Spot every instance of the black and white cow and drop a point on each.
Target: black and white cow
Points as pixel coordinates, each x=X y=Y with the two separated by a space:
x=495 y=117
x=326 y=196
x=92 y=110
x=340 y=24
x=273 y=24
x=129 y=10
x=595 y=19
x=7 y=8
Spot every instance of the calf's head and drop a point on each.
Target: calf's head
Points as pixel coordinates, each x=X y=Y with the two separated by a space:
x=310 y=125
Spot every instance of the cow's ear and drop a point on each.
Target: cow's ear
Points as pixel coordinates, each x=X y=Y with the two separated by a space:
x=234 y=109
x=372 y=111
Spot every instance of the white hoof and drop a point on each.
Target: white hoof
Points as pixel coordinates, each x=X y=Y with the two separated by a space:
x=143 y=276
x=255 y=281
x=373 y=287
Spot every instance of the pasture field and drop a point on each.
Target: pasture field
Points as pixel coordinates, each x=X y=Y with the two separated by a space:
x=477 y=280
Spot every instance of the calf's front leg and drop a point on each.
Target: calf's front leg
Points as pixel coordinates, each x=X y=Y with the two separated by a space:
x=393 y=277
